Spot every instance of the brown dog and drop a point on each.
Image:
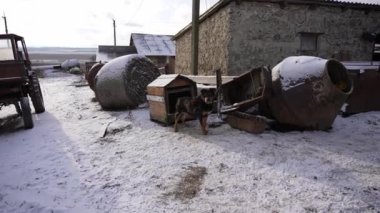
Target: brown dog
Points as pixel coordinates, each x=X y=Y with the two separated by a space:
x=198 y=107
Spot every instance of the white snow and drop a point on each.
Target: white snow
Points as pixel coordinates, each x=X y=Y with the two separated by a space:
x=293 y=70
x=116 y=66
x=163 y=80
x=65 y=165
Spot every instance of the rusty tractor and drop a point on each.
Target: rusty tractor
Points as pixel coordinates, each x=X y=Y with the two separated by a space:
x=17 y=80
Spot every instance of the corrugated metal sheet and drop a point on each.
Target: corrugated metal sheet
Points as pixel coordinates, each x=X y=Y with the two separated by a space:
x=153 y=45
x=361 y=2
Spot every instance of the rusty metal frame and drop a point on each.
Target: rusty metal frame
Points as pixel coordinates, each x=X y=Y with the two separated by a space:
x=246 y=80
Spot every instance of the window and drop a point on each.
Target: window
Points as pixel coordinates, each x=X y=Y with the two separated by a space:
x=309 y=42
x=6 y=52
x=20 y=51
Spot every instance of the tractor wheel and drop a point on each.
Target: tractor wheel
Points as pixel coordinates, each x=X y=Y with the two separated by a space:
x=18 y=108
x=26 y=113
x=36 y=95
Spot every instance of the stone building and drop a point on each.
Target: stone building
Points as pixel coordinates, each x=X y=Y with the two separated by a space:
x=237 y=35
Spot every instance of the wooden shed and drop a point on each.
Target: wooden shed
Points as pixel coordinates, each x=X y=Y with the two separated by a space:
x=163 y=94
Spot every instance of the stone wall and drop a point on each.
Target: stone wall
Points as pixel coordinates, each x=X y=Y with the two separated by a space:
x=214 y=37
x=251 y=34
x=264 y=33
x=183 y=53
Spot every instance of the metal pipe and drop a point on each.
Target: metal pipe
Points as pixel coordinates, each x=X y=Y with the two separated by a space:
x=218 y=91
x=5 y=22
x=195 y=38
x=114 y=32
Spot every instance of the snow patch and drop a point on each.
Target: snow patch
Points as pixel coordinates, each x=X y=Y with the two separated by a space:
x=293 y=70
x=118 y=126
x=61 y=165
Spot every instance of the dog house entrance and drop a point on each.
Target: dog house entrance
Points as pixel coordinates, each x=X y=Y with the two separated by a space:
x=174 y=94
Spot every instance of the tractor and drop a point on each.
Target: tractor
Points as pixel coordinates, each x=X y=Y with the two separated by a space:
x=17 y=80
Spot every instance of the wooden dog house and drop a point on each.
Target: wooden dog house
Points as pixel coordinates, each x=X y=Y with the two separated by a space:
x=163 y=94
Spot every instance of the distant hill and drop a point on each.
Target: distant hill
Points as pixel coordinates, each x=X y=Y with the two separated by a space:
x=62 y=50
x=56 y=55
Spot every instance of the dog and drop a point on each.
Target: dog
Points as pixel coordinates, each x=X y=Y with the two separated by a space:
x=198 y=107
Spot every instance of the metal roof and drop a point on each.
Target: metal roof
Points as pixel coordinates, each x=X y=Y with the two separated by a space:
x=356 y=2
x=10 y=35
x=153 y=45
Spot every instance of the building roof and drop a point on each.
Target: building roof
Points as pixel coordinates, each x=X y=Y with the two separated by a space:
x=355 y=4
x=153 y=45
x=10 y=35
x=165 y=80
x=106 y=53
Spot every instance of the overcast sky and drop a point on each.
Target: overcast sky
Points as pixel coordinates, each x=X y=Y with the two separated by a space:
x=88 y=23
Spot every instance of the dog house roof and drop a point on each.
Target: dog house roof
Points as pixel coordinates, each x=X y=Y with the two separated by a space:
x=164 y=80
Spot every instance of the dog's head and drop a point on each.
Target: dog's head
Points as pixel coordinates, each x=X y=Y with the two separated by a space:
x=208 y=95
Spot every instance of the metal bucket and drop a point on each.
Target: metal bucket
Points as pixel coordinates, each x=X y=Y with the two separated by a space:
x=308 y=92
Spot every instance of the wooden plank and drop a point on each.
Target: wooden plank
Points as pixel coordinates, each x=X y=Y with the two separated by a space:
x=211 y=79
x=155 y=98
x=246 y=122
x=180 y=83
x=157 y=111
x=157 y=91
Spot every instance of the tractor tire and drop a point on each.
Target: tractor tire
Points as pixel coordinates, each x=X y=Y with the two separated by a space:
x=26 y=113
x=36 y=95
x=18 y=108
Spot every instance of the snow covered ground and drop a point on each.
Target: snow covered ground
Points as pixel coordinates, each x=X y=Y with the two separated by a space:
x=64 y=164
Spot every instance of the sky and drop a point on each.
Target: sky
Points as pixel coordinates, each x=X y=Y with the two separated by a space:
x=88 y=23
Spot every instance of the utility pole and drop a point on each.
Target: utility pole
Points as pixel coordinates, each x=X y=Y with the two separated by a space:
x=114 y=32
x=5 y=22
x=195 y=38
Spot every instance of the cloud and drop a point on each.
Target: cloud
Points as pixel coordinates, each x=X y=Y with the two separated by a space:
x=88 y=30
x=87 y=23
x=110 y=15
x=132 y=24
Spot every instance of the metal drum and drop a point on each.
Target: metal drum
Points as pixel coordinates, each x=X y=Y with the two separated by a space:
x=90 y=76
x=308 y=92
